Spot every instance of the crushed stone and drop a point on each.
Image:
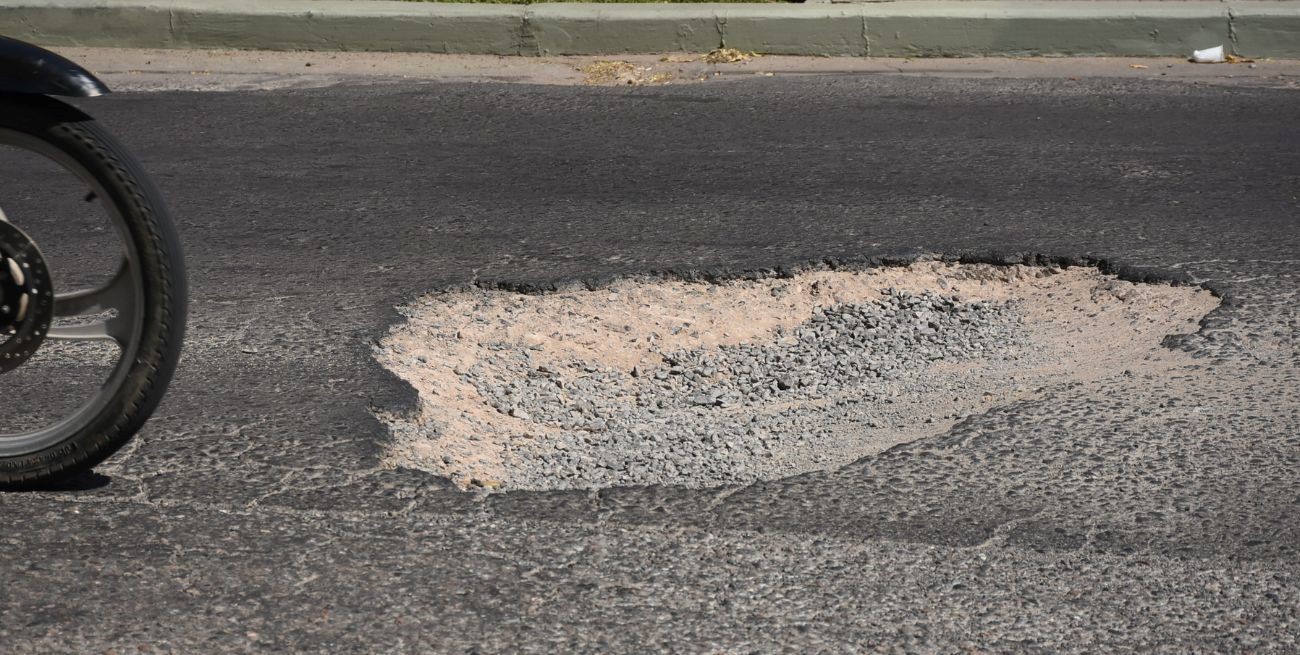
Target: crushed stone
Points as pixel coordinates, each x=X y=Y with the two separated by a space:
x=702 y=384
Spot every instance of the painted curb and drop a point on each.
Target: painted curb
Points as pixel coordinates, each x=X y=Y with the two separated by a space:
x=1266 y=29
x=1258 y=28
x=936 y=29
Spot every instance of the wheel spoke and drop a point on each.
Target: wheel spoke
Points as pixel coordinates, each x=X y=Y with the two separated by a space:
x=118 y=295
x=94 y=331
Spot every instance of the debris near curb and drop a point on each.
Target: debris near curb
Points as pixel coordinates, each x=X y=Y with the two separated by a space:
x=1217 y=55
x=611 y=72
x=729 y=56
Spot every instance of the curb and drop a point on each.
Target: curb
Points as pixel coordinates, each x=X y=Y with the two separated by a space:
x=907 y=28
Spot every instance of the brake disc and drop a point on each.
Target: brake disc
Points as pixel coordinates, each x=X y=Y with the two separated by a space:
x=26 y=297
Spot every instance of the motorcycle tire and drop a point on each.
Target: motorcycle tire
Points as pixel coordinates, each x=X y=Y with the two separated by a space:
x=121 y=404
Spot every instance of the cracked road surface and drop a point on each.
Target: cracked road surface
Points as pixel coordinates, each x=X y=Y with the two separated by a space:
x=1153 y=514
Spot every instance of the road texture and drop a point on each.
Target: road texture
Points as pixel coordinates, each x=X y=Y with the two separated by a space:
x=252 y=515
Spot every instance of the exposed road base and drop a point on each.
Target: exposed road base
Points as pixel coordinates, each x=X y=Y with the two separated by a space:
x=700 y=384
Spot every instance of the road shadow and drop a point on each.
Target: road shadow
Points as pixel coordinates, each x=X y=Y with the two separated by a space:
x=88 y=481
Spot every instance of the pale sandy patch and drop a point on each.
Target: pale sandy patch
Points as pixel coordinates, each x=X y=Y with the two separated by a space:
x=1080 y=326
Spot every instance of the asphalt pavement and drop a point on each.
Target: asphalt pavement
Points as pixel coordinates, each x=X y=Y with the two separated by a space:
x=253 y=513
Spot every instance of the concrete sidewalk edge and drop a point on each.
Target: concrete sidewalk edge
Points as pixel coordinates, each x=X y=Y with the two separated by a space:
x=1256 y=28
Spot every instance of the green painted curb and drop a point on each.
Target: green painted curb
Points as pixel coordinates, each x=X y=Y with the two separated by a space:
x=826 y=29
x=1266 y=29
x=578 y=29
x=268 y=25
x=905 y=28
x=456 y=29
x=935 y=29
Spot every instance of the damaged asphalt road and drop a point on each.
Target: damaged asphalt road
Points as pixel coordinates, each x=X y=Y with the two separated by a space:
x=252 y=514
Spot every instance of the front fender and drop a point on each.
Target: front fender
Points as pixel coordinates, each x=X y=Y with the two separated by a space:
x=25 y=68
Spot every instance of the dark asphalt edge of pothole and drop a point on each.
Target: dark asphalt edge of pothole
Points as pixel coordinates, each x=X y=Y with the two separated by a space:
x=405 y=399
x=720 y=274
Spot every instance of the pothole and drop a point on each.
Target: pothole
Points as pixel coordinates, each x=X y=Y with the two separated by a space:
x=700 y=384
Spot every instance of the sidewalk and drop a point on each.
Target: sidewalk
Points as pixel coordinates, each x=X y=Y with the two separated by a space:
x=131 y=69
x=908 y=28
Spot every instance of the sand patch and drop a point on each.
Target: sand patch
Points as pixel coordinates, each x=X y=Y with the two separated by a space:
x=568 y=389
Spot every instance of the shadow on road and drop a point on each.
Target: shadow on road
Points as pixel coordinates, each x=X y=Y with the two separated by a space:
x=82 y=482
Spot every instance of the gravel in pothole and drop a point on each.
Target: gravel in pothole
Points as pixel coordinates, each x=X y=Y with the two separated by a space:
x=700 y=384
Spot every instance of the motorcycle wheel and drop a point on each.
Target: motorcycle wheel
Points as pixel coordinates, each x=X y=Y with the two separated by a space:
x=134 y=313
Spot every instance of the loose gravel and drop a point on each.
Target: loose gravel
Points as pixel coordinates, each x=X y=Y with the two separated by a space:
x=702 y=384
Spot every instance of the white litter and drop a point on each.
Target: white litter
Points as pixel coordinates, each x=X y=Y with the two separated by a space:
x=1209 y=55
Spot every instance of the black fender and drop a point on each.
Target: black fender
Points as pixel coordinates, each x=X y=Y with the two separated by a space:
x=25 y=68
